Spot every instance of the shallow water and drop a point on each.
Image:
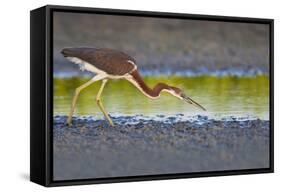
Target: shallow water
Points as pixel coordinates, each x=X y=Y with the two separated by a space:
x=221 y=96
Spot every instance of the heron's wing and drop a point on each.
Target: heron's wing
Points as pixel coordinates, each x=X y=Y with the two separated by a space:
x=111 y=61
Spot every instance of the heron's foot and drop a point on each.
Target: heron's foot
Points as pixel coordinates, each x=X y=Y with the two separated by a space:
x=110 y=121
x=69 y=122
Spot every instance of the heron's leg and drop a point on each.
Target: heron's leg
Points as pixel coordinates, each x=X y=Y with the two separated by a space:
x=100 y=103
x=77 y=92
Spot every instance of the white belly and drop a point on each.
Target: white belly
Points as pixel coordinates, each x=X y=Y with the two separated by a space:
x=85 y=65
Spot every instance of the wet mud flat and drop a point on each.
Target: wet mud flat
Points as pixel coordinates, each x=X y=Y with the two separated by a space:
x=136 y=145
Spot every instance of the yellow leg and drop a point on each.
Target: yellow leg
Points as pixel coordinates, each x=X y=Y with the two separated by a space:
x=100 y=103
x=77 y=92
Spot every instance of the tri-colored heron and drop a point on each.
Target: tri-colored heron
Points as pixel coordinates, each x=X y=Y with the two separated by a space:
x=113 y=64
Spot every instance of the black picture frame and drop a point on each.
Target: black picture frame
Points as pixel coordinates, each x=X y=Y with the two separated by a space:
x=41 y=100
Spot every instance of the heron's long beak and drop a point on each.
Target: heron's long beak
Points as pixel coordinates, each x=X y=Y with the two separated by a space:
x=189 y=100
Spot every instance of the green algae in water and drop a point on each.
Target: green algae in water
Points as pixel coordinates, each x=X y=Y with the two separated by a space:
x=221 y=96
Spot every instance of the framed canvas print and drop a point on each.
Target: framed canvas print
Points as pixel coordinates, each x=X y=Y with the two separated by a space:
x=120 y=95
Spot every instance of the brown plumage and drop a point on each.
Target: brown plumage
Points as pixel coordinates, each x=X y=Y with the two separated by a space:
x=108 y=60
x=114 y=64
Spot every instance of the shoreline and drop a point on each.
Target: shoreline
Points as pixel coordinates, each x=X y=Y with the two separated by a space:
x=161 y=118
x=189 y=74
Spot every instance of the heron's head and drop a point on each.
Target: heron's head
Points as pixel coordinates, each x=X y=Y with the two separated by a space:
x=177 y=92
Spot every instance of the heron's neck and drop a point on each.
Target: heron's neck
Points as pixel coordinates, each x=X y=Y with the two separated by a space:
x=154 y=93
